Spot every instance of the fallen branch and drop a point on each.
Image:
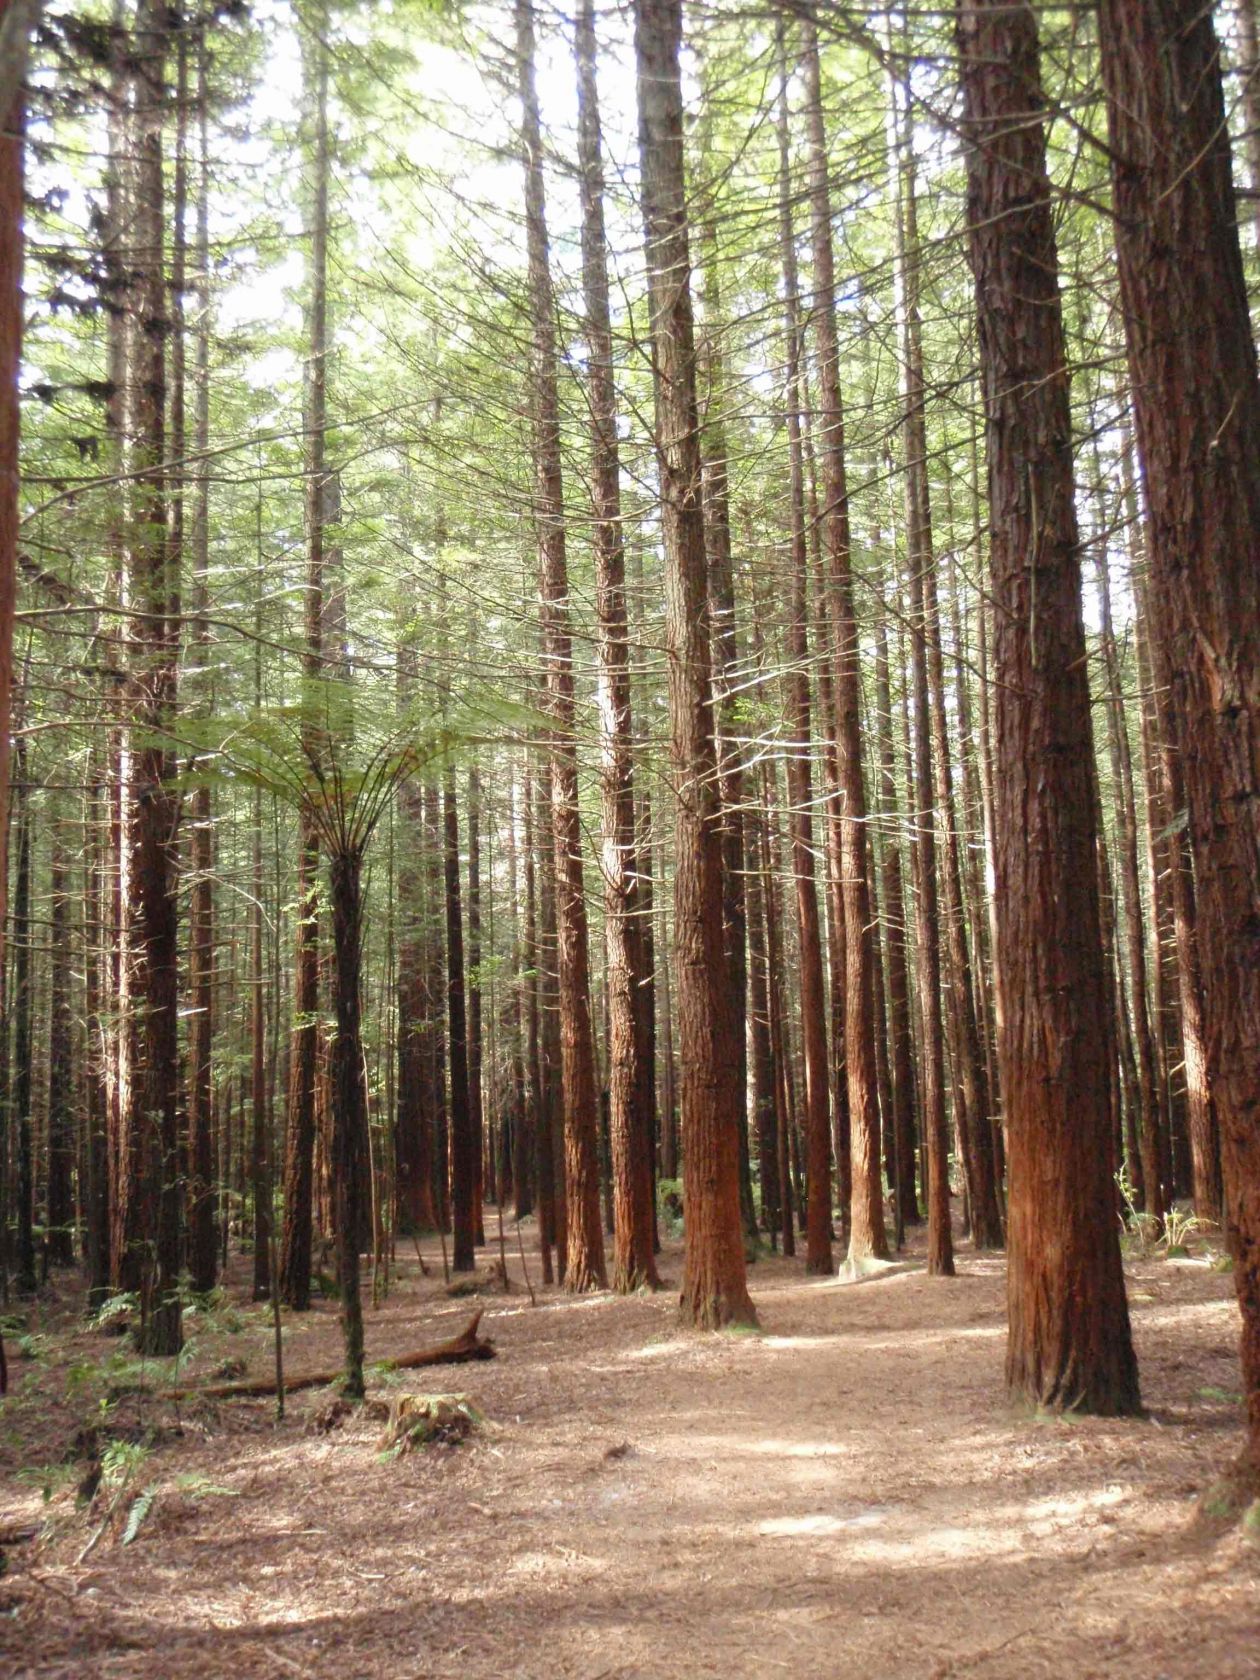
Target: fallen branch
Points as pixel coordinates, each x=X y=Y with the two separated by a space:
x=459 y=1350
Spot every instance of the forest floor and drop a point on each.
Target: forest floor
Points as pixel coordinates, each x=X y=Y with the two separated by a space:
x=845 y=1493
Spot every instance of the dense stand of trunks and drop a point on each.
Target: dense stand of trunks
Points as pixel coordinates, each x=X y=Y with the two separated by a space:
x=808 y=1007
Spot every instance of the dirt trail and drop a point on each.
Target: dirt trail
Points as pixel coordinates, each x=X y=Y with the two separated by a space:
x=845 y=1494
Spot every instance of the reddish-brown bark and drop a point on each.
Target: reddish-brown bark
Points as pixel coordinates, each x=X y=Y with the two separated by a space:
x=818 y=1258
x=631 y=1098
x=299 y=1156
x=867 y=1237
x=1069 y=1342
x=1192 y=361
x=584 y=1264
x=714 y=1288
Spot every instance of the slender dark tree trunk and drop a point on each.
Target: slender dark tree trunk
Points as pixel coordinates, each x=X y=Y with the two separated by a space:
x=202 y=1250
x=20 y=1088
x=435 y=1114
x=152 y=808
x=476 y=1104
x=1119 y=752
x=259 y=1142
x=535 y=1075
x=760 y=1058
x=12 y=314
x=524 y=1051
x=299 y=1155
x=1196 y=396
x=818 y=1258
x=463 y=1140
x=96 y=1235
x=867 y=1237
x=774 y=999
x=928 y=950
x=584 y=1266
x=1205 y=1146
x=714 y=1290
x=349 y=1106
x=903 y=1080
x=61 y=1071
x=413 y=1119
x=631 y=1100
x=1069 y=1343
x=725 y=656
x=936 y=794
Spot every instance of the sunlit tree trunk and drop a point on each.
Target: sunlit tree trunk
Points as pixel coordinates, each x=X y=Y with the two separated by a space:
x=631 y=1097
x=867 y=1237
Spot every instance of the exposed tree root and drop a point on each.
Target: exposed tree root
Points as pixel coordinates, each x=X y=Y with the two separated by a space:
x=459 y=1350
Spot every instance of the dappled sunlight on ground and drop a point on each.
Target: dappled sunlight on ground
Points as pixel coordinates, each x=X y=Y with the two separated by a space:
x=845 y=1493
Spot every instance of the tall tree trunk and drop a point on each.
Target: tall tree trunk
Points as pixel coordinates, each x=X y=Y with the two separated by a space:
x=780 y=1073
x=202 y=1253
x=1121 y=761
x=299 y=1154
x=97 y=1233
x=714 y=1290
x=20 y=1066
x=349 y=1107
x=1068 y=1343
x=463 y=1139
x=152 y=809
x=12 y=314
x=1196 y=400
x=61 y=1071
x=903 y=1076
x=413 y=1118
x=476 y=1101
x=435 y=1116
x=631 y=1100
x=524 y=1064
x=584 y=1265
x=1205 y=1146
x=760 y=1056
x=936 y=794
x=928 y=948
x=867 y=1237
x=725 y=656
x=259 y=1143
x=818 y=1258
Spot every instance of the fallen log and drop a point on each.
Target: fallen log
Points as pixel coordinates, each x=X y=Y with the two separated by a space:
x=459 y=1350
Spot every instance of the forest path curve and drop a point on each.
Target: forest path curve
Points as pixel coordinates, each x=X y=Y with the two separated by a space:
x=844 y=1494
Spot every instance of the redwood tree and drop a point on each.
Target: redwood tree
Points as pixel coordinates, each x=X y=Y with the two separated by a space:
x=1069 y=1341
x=715 y=1287
x=584 y=1267
x=1196 y=399
x=631 y=1098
